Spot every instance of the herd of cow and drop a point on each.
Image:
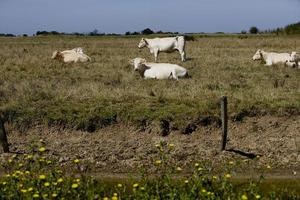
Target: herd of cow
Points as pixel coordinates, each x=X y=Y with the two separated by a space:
x=172 y=71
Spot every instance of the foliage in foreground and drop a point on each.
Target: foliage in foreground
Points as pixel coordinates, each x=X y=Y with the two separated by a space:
x=33 y=176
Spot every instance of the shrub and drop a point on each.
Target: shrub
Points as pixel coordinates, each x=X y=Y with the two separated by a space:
x=147 y=31
x=253 y=30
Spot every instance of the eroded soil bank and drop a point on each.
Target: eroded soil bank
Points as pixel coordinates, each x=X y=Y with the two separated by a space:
x=122 y=149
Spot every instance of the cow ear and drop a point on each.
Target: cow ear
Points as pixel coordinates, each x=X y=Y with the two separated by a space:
x=54 y=54
x=130 y=61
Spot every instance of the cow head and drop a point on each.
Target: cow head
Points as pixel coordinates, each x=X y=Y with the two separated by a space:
x=143 y=43
x=57 y=55
x=257 y=55
x=78 y=50
x=294 y=57
x=137 y=63
x=290 y=64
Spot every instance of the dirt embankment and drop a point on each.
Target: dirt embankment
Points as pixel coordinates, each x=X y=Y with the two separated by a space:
x=122 y=149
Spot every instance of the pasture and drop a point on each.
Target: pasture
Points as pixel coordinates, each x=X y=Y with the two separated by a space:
x=63 y=103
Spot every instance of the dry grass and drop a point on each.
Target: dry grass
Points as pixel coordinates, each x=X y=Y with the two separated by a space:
x=37 y=90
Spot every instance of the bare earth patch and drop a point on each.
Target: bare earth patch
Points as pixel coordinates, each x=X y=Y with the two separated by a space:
x=124 y=149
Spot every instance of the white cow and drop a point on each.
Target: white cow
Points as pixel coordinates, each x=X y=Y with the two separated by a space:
x=158 y=70
x=73 y=55
x=168 y=44
x=272 y=58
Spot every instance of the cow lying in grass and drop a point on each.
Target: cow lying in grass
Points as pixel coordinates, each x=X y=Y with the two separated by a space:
x=158 y=70
x=73 y=55
x=168 y=44
x=271 y=58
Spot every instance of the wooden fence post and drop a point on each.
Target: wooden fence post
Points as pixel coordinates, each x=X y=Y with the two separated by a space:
x=224 y=117
x=3 y=137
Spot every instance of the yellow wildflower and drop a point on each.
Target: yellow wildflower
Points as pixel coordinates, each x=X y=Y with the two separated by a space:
x=115 y=194
x=47 y=184
x=135 y=185
x=114 y=198
x=30 y=189
x=54 y=195
x=158 y=162
x=17 y=172
x=60 y=180
x=27 y=172
x=36 y=195
x=10 y=160
x=119 y=185
x=268 y=167
x=45 y=195
x=105 y=198
x=23 y=191
x=157 y=146
x=49 y=162
x=74 y=185
x=227 y=176
x=231 y=162
x=257 y=196
x=142 y=188
x=197 y=164
x=76 y=161
x=42 y=149
x=42 y=177
x=186 y=181
x=203 y=190
x=244 y=197
x=77 y=180
x=171 y=146
x=179 y=169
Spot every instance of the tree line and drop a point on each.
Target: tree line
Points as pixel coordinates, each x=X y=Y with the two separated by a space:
x=287 y=30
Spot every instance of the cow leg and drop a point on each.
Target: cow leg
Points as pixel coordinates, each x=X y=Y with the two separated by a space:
x=155 y=54
x=174 y=75
x=182 y=53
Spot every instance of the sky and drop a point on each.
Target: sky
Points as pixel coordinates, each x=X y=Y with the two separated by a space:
x=119 y=16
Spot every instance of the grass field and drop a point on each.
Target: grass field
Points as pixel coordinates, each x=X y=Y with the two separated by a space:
x=51 y=99
x=37 y=90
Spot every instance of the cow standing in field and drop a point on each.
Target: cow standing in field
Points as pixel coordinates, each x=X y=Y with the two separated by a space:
x=158 y=70
x=168 y=45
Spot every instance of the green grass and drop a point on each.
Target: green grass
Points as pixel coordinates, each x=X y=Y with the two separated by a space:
x=37 y=90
